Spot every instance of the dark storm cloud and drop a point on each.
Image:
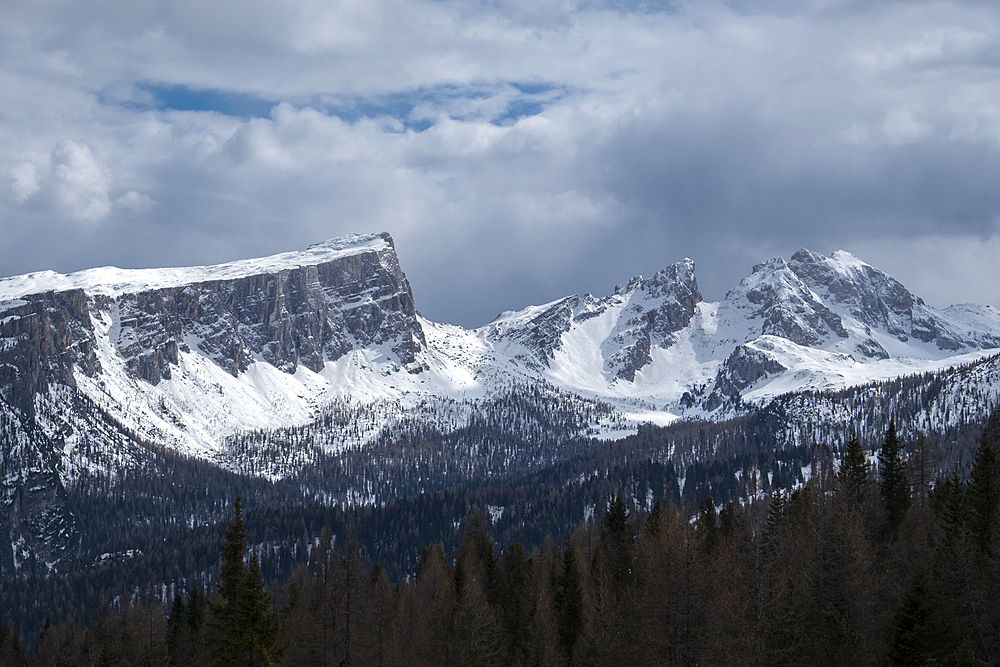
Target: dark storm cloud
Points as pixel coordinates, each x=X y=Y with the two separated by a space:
x=517 y=151
x=717 y=188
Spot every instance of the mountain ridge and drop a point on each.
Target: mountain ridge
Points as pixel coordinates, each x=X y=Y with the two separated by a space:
x=98 y=367
x=344 y=310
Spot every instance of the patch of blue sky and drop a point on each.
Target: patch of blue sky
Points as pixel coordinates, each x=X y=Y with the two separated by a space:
x=517 y=110
x=398 y=106
x=532 y=100
x=413 y=110
x=533 y=88
x=182 y=98
x=420 y=109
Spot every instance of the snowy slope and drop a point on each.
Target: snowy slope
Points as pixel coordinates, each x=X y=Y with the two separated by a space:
x=189 y=357
x=811 y=323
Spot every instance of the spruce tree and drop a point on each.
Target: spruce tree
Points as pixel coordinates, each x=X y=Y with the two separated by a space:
x=727 y=520
x=654 y=523
x=774 y=518
x=952 y=506
x=569 y=601
x=177 y=629
x=894 y=485
x=923 y=628
x=245 y=633
x=616 y=521
x=107 y=657
x=196 y=609
x=262 y=626
x=983 y=494
x=854 y=468
x=619 y=540
x=708 y=525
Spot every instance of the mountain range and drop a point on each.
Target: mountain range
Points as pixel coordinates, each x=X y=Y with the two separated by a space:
x=100 y=366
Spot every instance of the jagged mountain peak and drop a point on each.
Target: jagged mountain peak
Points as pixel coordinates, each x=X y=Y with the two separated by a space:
x=639 y=315
x=871 y=295
x=677 y=275
x=773 y=300
x=858 y=290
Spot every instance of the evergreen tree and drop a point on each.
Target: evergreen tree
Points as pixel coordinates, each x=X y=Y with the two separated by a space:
x=196 y=608
x=952 y=505
x=515 y=612
x=107 y=657
x=923 y=628
x=262 y=628
x=727 y=520
x=246 y=634
x=894 y=485
x=708 y=525
x=569 y=601
x=983 y=494
x=654 y=523
x=854 y=469
x=774 y=519
x=177 y=629
x=620 y=543
x=616 y=521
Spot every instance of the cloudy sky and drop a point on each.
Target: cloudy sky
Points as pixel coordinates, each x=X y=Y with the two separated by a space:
x=517 y=150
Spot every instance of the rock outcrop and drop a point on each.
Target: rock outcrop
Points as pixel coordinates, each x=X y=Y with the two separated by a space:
x=659 y=307
x=43 y=337
x=286 y=316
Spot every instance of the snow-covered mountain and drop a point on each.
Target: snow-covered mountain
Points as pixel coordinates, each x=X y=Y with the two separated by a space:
x=190 y=356
x=814 y=322
x=98 y=365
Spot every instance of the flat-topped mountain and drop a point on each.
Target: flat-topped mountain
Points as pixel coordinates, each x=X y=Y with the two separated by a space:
x=295 y=308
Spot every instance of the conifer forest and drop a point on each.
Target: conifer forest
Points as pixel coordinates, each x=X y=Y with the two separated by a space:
x=875 y=557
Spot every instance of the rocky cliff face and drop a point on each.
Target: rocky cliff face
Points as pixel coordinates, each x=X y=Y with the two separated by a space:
x=35 y=520
x=647 y=312
x=305 y=315
x=880 y=302
x=42 y=338
x=774 y=301
x=285 y=316
x=658 y=308
x=744 y=367
x=540 y=331
x=867 y=294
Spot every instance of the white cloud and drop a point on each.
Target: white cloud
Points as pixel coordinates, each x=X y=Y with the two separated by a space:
x=25 y=181
x=134 y=202
x=81 y=185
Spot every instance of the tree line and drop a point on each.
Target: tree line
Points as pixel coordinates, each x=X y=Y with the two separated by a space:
x=862 y=564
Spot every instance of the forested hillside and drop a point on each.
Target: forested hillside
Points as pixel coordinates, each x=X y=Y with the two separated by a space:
x=859 y=563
